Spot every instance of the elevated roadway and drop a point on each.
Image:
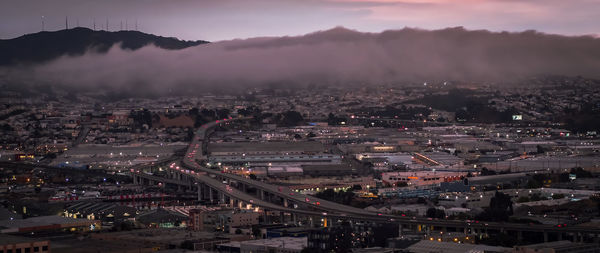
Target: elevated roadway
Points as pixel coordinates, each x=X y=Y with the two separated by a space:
x=330 y=209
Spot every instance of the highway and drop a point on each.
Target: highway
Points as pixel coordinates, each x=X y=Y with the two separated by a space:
x=331 y=209
x=195 y=153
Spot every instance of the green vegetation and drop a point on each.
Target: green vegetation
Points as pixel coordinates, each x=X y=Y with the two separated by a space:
x=500 y=209
x=466 y=106
x=435 y=213
x=10 y=114
x=289 y=118
x=523 y=199
x=502 y=239
x=342 y=197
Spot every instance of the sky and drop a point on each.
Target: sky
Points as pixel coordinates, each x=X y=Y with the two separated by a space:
x=216 y=20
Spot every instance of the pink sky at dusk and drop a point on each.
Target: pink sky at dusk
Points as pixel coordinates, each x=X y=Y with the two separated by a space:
x=215 y=20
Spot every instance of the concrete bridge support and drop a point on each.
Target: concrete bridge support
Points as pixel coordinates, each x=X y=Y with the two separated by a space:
x=266 y=218
x=222 y=198
x=560 y=236
x=199 y=192
x=400 y=230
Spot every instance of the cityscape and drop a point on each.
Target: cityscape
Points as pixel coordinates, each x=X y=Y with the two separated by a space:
x=361 y=139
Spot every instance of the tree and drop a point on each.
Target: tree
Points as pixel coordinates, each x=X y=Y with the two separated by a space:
x=581 y=173
x=540 y=149
x=536 y=197
x=187 y=244
x=533 y=184
x=334 y=120
x=523 y=199
x=500 y=209
x=194 y=111
x=252 y=176
x=222 y=113
x=342 y=197
x=306 y=250
x=123 y=226
x=381 y=233
x=343 y=240
x=142 y=117
x=290 y=118
x=435 y=213
x=401 y=184
x=502 y=239
x=486 y=172
x=255 y=231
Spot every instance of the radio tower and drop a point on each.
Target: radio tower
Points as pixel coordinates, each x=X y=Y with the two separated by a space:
x=42 y=23
x=66 y=22
x=94 y=24
x=136 y=24
x=107 y=24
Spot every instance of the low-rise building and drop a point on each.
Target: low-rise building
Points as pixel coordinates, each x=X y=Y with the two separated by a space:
x=420 y=178
x=9 y=243
x=558 y=246
x=272 y=245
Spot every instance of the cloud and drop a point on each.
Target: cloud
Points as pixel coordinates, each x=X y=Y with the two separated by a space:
x=226 y=19
x=334 y=57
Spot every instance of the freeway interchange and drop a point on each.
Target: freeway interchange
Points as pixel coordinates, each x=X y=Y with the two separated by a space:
x=314 y=207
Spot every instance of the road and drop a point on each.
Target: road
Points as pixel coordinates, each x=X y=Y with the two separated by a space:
x=82 y=134
x=195 y=153
x=330 y=209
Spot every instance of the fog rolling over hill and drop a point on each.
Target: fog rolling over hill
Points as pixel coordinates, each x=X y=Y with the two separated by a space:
x=45 y=46
x=337 y=56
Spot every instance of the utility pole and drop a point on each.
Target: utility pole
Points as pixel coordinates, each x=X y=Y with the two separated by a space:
x=42 y=23
x=66 y=22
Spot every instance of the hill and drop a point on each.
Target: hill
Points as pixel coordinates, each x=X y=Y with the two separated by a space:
x=44 y=46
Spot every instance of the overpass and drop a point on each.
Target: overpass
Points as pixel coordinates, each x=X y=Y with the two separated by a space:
x=295 y=203
x=32 y=166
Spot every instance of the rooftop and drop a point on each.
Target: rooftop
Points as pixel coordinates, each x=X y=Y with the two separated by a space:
x=10 y=239
x=240 y=147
